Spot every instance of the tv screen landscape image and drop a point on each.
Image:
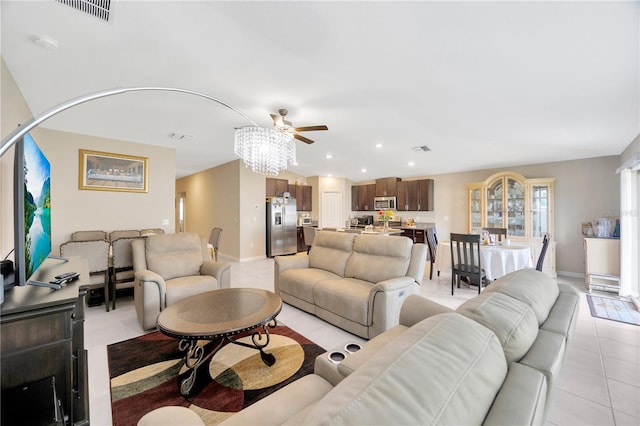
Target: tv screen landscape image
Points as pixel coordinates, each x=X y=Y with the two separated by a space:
x=33 y=209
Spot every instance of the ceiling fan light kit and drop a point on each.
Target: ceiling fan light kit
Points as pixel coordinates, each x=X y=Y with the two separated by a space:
x=266 y=151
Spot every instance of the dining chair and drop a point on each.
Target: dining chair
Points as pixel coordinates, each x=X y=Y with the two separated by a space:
x=497 y=232
x=114 y=235
x=214 y=240
x=309 y=234
x=432 y=243
x=88 y=235
x=97 y=254
x=122 y=275
x=465 y=260
x=543 y=252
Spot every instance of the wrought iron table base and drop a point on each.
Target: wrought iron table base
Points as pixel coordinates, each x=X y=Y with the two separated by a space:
x=195 y=355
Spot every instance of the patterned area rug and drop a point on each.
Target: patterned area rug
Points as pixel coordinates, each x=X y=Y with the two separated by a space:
x=613 y=309
x=145 y=373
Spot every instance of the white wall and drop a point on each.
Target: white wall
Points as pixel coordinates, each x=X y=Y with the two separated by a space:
x=74 y=209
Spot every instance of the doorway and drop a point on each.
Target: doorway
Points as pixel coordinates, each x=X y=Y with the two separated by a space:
x=331 y=210
x=181 y=205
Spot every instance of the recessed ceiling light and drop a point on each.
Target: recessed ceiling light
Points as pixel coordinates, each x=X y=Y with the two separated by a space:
x=411 y=163
x=363 y=170
x=378 y=145
x=46 y=42
x=329 y=156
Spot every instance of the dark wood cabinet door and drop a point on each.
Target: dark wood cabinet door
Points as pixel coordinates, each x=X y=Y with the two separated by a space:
x=425 y=195
x=367 y=195
x=276 y=187
x=301 y=244
x=355 y=198
x=386 y=187
x=419 y=236
x=403 y=196
x=304 y=198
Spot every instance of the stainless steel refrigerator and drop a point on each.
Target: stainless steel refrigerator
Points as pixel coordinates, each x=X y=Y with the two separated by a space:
x=282 y=235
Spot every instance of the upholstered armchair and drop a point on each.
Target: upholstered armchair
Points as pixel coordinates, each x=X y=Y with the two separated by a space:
x=171 y=267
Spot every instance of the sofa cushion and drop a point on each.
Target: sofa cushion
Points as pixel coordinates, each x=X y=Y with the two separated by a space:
x=345 y=297
x=377 y=258
x=431 y=374
x=330 y=251
x=174 y=255
x=533 y=288
x=562 y=317
x=300 y=282
x=513 y=322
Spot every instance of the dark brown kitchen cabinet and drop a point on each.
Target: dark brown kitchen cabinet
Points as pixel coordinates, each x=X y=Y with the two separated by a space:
x=303 y=196
x=387 y=187
x=416 y=235
x=362 y=197
x=276 y=187
x=415 y=195
x=366 y=194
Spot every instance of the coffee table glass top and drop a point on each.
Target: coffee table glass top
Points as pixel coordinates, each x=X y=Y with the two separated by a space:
x=219 y=313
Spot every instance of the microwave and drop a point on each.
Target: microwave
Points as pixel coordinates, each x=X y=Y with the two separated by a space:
x=304 y=221
x=384 y=203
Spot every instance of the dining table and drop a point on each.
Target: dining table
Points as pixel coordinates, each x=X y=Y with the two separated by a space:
x=497 y=260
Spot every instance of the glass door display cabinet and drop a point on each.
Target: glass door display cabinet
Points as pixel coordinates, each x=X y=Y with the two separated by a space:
x=523 y=206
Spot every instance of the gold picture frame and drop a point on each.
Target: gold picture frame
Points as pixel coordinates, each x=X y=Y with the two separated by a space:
x=106 y=171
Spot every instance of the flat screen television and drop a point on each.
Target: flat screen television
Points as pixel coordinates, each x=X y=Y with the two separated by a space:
x=32 y=209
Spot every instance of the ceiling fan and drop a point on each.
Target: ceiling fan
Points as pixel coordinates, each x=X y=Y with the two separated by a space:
x=285 y=126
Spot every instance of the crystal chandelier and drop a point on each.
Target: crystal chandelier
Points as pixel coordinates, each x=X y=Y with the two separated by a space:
x=267 y=151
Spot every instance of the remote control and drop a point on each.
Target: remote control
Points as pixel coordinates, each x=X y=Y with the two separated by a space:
x=66 y=275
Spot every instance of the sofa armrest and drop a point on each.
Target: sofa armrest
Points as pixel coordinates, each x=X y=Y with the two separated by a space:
x=149 y=296
x=146 y=275
x=393 y=284
x=220 y=270
x=282 y=263
x=417 y=308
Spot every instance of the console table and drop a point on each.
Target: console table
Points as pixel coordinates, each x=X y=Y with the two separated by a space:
x=42 y=333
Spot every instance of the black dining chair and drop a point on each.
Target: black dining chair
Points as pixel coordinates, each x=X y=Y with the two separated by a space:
x=543 y=252
x=465 y=260
x=432 y=243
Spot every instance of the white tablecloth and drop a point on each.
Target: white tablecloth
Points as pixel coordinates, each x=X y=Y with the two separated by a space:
x=497 y=261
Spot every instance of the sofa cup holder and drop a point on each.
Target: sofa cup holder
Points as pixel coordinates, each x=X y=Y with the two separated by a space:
x=352 y=347
x=336 y=357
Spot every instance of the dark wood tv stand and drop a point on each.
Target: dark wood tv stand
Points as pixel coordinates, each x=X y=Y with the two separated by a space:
x=42 y=332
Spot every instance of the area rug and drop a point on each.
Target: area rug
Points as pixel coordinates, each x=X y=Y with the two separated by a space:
x=145 y=373
x=613 y=309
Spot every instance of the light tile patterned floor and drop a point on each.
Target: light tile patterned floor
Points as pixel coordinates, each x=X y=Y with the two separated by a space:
x=599 y=384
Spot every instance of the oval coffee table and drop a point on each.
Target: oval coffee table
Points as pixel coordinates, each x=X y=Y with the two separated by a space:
x=218 y=315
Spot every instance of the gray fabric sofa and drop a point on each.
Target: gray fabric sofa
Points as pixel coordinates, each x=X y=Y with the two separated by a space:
x=171 y=267
x=356 y=282
x=492 y=361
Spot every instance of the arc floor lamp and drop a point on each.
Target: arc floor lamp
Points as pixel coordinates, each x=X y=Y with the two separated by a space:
x=265 y=150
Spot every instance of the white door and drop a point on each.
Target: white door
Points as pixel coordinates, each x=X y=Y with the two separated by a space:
x=331 y=210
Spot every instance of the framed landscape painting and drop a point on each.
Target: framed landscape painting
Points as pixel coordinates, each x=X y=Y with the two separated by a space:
x=105 y=171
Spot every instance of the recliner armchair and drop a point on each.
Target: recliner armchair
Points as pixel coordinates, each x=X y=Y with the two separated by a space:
x=171 y=267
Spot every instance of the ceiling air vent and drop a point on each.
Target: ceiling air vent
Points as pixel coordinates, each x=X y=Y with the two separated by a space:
x=100 y=9
x=422 y=148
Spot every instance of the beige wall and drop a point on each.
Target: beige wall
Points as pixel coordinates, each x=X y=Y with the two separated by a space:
x=230 y=197
x=74 y=209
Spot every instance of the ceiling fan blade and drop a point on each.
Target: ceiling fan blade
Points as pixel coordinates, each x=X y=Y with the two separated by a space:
x=277 y=120
x=311 y=128
x=302 y=138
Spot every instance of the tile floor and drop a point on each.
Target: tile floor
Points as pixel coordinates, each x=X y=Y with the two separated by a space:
x=599 y=384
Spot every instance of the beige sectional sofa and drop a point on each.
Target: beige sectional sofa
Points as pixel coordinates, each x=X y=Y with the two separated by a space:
x=492 y=361
x=354 y=281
